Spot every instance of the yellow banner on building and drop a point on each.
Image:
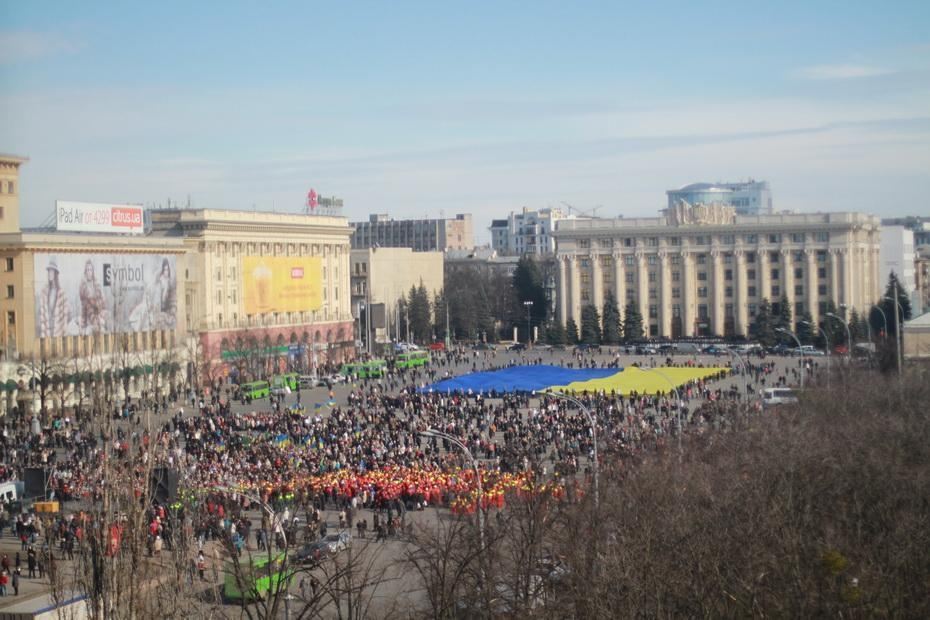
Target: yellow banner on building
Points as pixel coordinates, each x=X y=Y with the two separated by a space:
x=282 y=283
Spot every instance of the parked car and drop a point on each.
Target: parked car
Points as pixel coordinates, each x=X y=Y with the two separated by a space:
x=327 y=380
x=778 y=396
x=807 y=351
x=646 y=349
x=483 y=346
x=517 y=346
x=715 y=349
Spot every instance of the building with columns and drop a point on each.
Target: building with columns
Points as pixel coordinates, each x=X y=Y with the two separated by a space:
x=703 y=270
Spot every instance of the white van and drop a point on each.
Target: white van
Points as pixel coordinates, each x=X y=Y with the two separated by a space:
x=778 y=396
x=11 y=491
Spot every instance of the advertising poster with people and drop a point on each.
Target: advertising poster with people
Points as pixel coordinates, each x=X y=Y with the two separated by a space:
x=282 y=283
x=81 y=294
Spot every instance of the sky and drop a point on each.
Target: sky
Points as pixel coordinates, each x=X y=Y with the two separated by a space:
x=432 y=109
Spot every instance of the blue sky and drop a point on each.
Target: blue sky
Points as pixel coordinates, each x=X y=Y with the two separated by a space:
x=418 y=109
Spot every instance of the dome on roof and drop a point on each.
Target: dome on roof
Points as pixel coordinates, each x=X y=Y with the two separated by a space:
x=704 y=187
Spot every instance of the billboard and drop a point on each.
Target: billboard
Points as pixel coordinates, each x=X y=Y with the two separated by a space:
x=282 y=283
x=95 y=217
x=81 y=294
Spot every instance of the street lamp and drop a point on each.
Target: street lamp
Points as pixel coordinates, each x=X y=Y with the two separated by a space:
x=431 y=432
x=884 y=318
x=783 y=330
x=898 y=312
x=848 y=336
x=826 y=341
x=529 y=333
x=746 y=371
x=592 y=423
x=677 y=396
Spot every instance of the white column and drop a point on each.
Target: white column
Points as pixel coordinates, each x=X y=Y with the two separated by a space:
x=575 y=297
x=665 y=296
x=563 y=291
x=688 y=284
x=598 y=283
x=787 y=279
x=846 y=268
x=765 y=275
x=812 y=285
x=642 y=290
x=619 y=282
x=741 y=299
x=834 y=288
x=716 y=298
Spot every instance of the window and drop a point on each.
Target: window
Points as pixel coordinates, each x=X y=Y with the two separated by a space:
x=584 y=243
x=775 y=274
x=727 y=274
x=751 y=257
x=674 y=241
x=629 y=277
x=630 y=260
x=233 y=297
x=702 y=276
x=822 y=289
x=700 y=240
x=653 y=294
x=1 y=213
x=585 y=278
x=702 y=291
x=776 y=290
x=750 y=274
x=728 y=291
x=799 y=290
x=752 y=310
x=676 y=259
x=822 y=272
x=751 y=291
x=823 y=307
x=798 y=308
x=676 y=311
x=10 y=318
x=9 y=263
x=219 y=298
x=676 y=293
x=702 y=311
x=751 y=238
x=774 y=257
x=797 y=237
x=727 y=259
x=774 y=238
x=728 y=309
x=628 y=242
x=652 y=277
x=585 y=263
x=9 y=187
x=585 y=295
x=821 y=256
x=822 y=237
x=219 y=274
x=728 y=239
x=652 y=241
x=9 y=291
x=798 y=273
x=702 y=259
x=604 y=243
x=652 y=260
x=653 y=311
x=676 y=276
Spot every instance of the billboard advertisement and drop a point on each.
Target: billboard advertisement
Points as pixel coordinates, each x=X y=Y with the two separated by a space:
x=95 y=217
x=81 y=294
x=282 y=283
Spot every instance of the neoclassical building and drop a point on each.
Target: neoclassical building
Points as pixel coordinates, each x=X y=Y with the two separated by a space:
x=703 y=270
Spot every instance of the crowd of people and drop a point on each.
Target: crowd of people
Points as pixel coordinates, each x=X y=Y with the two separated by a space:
x=370 y=450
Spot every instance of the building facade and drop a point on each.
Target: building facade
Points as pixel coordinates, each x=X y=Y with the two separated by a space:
x=701 y=271
x=527 y=232
x=274 y=281
x=897 y=256
x=384 y=276
x=748 y=198
x=427 y=235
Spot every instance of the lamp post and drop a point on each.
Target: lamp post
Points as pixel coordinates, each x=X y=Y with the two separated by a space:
x=431 y=432
x=826 y=342
x=592 y=423
x=848 y=336
x=884 y=318
x=745 y=371
x=677 y=397
x=529 y=333
x=783 y=330
x=898 y=312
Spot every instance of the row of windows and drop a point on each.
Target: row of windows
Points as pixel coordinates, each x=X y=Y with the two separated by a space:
x=703 y=259
x=10 y=187
x=105 y=343
x=775 y=292
x=702 y=276
x=729 y=239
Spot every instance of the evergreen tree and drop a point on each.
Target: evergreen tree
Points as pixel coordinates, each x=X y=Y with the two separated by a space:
x=527 y=285
x=555 y=333
x=834 y=330
x=855 y=324
x=590 y=325
x=763 y=325
x=895 y=290
x=784 y=318
x=804 y=330
x=419 y=313
x=571 y=332
x=632 y=323
x=439 y=316
x=611 y=320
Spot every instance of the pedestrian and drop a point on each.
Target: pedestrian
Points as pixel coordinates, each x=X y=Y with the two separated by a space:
x=16 y=575
x=201 y=565
x=4 y=579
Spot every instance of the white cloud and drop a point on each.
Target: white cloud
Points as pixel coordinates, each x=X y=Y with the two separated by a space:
x=840 y=72
x=23 y=45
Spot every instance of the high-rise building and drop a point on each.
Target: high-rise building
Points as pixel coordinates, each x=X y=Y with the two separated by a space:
x=427 y=235
x=704 y=270
x=526 y=232
x=898 y=257
x=747 y=197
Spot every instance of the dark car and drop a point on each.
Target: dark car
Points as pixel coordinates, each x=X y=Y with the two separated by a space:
x=517 y=346
x=312 y=553
x=483 y=346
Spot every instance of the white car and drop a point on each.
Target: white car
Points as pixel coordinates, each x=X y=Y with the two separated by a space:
x=778 y=396
x=807 y=351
